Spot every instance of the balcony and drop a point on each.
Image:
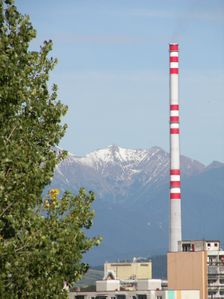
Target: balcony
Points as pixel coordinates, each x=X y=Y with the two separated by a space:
x=213 y=270
x=213 y=284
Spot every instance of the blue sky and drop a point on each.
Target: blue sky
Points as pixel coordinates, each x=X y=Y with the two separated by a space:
x=113 y=71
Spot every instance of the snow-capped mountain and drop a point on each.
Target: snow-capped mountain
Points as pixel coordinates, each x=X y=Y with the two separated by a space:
x=132 y=199
x=114 y=170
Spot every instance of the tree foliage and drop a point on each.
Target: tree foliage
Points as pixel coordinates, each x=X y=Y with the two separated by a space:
x=41 y=241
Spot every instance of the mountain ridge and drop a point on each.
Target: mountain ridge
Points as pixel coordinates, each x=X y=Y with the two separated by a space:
x=115 y=165
x=132 y=199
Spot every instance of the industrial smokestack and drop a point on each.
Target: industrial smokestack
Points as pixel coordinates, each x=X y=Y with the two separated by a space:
x=175 y=193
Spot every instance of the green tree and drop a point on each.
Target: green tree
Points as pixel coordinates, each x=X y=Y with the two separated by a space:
x=41 y=240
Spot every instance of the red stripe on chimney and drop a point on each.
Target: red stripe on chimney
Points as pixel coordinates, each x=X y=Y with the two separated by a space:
x=174 y=107
x=174 y=171
x=174 y=70
x=174 y=119
x=174 y=59
x=174 y=184
x=175 y=196
x=174 y=131
x=173 y=47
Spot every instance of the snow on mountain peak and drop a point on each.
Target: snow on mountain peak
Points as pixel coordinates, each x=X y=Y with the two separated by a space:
x=113 y=154
x=114 y=169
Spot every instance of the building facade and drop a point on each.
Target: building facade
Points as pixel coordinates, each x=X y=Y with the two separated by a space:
x=198 y=264
x=150 y=294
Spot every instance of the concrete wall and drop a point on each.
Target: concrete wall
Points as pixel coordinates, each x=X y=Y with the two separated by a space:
x=107 y=285
x=149 y=284
x=188 y=271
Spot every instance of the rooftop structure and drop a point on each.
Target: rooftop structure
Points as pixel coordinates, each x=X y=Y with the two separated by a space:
x=199 y=245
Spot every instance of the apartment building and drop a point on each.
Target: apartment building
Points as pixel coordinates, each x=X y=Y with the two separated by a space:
x=199 y=265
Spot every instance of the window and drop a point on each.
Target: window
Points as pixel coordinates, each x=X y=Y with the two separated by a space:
x=212 y=260
x=211 y=292
x=186 y=247
x=212 y=280
x=222 y=259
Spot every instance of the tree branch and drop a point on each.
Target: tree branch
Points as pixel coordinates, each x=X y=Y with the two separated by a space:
x=3 y=212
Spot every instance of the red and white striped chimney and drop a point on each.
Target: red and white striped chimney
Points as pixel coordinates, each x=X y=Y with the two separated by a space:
x=175 y=193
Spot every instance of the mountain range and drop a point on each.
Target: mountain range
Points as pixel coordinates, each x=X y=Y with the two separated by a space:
x=132 y=199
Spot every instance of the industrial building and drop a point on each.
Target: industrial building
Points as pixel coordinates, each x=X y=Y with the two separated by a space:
x=133 y=284
x=130 y=270
x=128 y=287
